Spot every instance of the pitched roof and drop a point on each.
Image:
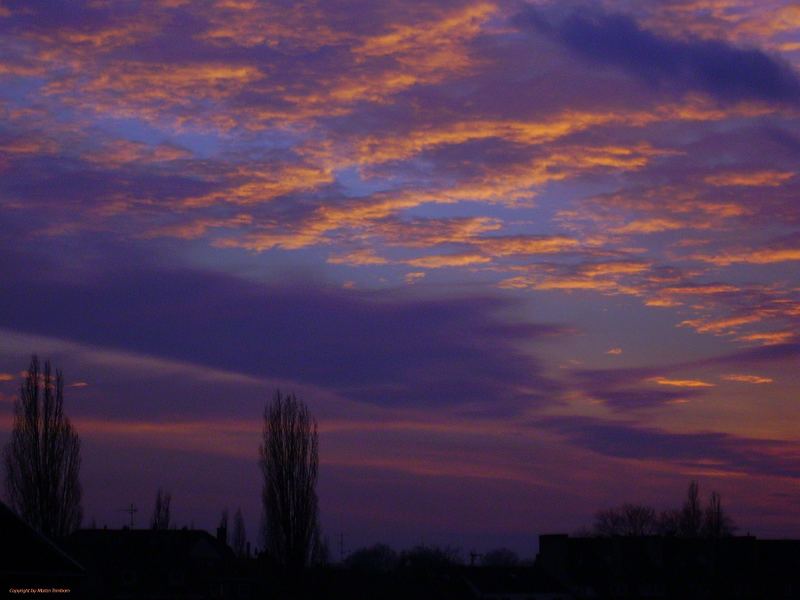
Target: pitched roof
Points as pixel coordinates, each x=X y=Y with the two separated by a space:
x=25 y=550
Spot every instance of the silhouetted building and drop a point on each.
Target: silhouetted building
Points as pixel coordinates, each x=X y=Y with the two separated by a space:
x=513 y=583
x=164 y=564
x=30 y=561
x=672 y=567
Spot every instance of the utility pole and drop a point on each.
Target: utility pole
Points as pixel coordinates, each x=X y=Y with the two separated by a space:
x=130 y=510
x=341 y=547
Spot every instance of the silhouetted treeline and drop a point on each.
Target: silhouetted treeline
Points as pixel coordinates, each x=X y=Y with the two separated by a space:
x=691 y=520
x=382 y=558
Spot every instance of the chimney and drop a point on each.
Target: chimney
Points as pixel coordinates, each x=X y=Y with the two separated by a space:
x=222 y=534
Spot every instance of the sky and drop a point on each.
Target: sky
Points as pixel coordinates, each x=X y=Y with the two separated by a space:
x=522 y=260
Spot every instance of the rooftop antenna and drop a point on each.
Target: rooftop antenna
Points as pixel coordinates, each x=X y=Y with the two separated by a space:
x=130 y=510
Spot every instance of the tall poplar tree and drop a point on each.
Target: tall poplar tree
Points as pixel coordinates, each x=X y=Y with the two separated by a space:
x=43 y=457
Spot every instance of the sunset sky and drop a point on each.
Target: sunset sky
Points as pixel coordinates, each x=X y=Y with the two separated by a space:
x=522 y=260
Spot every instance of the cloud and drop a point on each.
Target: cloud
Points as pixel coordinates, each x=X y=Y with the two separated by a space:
x=376 y=347
x=414 y=276
x=435 y=261
x=750 y=179
x=684 y=383
x=724 y=71
x=609 y=277
x=768 y=337
x=757 y=256
x=638 y=399
x=626 y=389
x=743 y=378
x=719 y=452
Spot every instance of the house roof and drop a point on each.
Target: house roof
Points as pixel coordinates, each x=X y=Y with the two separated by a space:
x=25 y=550
x=147 y=546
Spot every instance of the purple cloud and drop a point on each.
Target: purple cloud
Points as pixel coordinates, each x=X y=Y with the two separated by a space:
x=719 y=451
x=379 y=346
x=716 y=67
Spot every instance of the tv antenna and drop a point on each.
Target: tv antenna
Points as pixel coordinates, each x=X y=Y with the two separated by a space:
x=131 y=510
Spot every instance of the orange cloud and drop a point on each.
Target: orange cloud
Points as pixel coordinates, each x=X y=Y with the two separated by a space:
x=614 y=268
x=652 y=225
x=175 y=82
x=29 y=145
x=614 y=351
x=700 y=289
x=755 y=379
x=569 y=283
x=14 y=69
x=686 y=383
x=438 y=261
x=752 y=178
x=768 y=337
x=150 y=90
x=379 y=149
x=757 y=24
x=432 y=232
x=753 y=257
x=121 y=152
x=108 y=38
x=429 y=50
x=197 y=228
x=298 y=25
x=604 y=277
x=358 y=257
x=720 y=326
x=258 y=186
x=7 y=377
x=462 y=24
x=525 y=245
x=662 y=302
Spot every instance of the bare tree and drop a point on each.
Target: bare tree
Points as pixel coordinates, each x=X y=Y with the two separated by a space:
x=161 y=516
x=717 y=523
x=669 y=522
x=239 y=540
x=379 y=557
x=289 y=463
x=222 y=528
x=43 y=456
x=607 y=522
x=500 y=557
x=628 y=519
x=692 y=512
x=639 y=519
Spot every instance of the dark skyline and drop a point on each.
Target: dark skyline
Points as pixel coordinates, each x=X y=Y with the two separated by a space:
x=521 y=260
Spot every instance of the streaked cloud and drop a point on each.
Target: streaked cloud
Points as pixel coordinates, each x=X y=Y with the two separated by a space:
x=684 y=383
x=743 y=378
x=757 y=178
x=713 y=66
